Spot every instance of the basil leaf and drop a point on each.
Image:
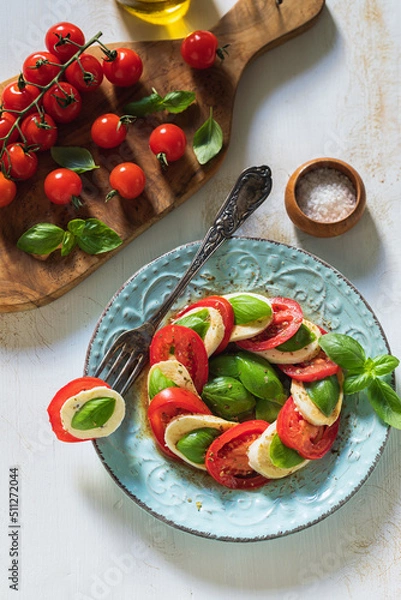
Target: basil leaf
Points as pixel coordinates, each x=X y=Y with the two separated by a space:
x=260 y=378
x=40 y=239
x=266 y=410
x=173 y=102
x=68 y=243
x=158 y=381
x=75 y=158
x=224 y=364
x=228 y=398
x=208 y=140
x=282 y=456
x=194 y=444
x=385 y=402
x=94 y=413
x=76 y=226
x=198 y=322
x=324 y=393
x=144 y=106
x=356 y=383
x=344 y=351
x=178 y=101
x=384 y=364
x=96 y=237
x=248 y=309
x=300 y=339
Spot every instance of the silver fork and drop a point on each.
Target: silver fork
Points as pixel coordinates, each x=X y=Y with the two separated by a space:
x=125 y=359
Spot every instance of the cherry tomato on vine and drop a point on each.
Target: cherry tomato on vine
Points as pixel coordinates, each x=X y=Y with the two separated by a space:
x=62 y=186
x=63 y=40
x=19 y=162
x=40 y=68
x=63 y=102
x=108 y=131
x=199 y=49
x=85 y=73
x=18 y=95
x=7 y=120
x=128 y=180
x=122 y=67
x=168 y=142
x=8 y=190
x=39 y=130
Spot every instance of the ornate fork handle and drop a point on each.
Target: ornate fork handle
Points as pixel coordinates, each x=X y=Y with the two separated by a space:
x=251 y=189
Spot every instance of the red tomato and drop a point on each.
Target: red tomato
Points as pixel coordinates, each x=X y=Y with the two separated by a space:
x=287 y=319
x=170 y=403
x=85 y=73
x=123 y=67
x=226 y=311
x=18 y=95
x=168 y=142
x=63 y=102
x=62 y=186
x=310 y=441
x=40 y=68
x=8 y=190
x=71 y=389
x=317 y=368
x=39 y=130
x=7 y=120
x=227 y=459
x=186 y=346
x=199 y=49
x=128 y=180
x=19 y=162
x=63 y=40
x=108 y=131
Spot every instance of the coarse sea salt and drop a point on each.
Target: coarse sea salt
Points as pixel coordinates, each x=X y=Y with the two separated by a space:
x=326 y=195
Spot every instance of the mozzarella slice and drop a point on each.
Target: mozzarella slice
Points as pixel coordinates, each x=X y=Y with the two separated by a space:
x=176 y=372
x=72 y=405
x=215 y=331
x=259 y=456
x=243 y=332
x=183 y=424
x=277 y=357
x=309 y=410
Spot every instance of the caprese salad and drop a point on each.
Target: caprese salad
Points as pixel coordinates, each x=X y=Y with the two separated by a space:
x=239 y=386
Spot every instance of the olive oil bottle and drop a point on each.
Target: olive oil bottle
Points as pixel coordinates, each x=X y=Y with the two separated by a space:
x=158 y=12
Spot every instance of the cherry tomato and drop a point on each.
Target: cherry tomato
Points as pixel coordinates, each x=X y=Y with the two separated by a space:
x=108 y=131
x=63 y=102
x=40 y=68
x=287 y=319
x=168 y=142
x=7 y=120
x=123 y=67
x=71 y=389
x=170 y=403
x=186 y=346
x=310 y=441
x=8 y=190
x=62 y=186
x=39 y=130
x=18 y=96
x=227 y=459
x=128 y=180
x=226 y=311
x=19 y=162
x=199 y=49
x=63 y=39
x=85 y=73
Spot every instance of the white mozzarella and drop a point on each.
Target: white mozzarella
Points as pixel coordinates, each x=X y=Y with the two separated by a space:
x=259 y=456
x=72 y=405
x=183 y=424
x=215 y=331
x=176 y=372
x=277 y=357
x=243 y=332
x=309 y=410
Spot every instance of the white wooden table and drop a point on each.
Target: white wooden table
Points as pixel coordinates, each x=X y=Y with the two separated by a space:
x=332 y=92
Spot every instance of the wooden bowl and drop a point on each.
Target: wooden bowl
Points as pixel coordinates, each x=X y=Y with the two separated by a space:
x=323 y=228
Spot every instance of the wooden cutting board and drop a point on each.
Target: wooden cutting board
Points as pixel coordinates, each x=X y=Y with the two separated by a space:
x=250 y=28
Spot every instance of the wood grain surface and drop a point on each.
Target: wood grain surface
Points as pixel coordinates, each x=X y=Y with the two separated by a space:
x=250 y=28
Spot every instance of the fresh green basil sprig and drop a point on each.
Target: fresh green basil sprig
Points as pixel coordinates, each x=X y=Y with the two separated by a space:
x=75 y=158
x=90 y=235
x=363 y=372
x=208 y=140
x=173 y=102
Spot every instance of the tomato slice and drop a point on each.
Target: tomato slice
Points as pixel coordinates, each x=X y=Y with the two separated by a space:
x=186 y=346
x=227 y=460
x=310 y=441
x=170 y=403
x=72 y=388
x=287 y=319
x=226 y=311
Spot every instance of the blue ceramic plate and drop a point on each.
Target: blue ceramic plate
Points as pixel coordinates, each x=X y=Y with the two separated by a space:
x=189 y=499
